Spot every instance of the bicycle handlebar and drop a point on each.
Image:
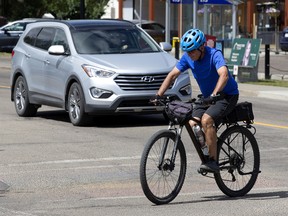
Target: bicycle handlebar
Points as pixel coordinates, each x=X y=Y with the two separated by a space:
x=200 y=100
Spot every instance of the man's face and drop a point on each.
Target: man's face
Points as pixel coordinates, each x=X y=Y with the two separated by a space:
x=195 y=54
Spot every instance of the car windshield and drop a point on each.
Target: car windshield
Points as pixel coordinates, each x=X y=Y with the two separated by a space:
x=112 y=41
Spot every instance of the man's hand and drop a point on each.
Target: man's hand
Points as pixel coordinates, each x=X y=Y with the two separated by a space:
x=211 y=99
x=154 y=99
x=208 y=101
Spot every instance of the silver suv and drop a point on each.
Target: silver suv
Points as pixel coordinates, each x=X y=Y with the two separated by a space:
x=90 y=67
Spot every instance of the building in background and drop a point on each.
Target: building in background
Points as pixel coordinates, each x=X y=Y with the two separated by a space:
x=254 y=18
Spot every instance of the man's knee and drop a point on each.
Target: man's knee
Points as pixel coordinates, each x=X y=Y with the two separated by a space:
x=207 y=121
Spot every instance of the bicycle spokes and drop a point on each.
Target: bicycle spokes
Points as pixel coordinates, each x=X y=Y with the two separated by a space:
x=162 y=168
x=238 y=160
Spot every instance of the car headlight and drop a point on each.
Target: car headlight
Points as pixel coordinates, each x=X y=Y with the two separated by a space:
x=186 y=90
x=92 y=71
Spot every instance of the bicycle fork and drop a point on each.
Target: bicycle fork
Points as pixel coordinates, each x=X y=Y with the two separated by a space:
x=169 y=163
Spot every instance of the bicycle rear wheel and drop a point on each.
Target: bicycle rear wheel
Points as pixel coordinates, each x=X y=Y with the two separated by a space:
x=239 y=161
x=161 y=179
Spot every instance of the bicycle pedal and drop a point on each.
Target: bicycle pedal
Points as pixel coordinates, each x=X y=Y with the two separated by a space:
x=202 y=172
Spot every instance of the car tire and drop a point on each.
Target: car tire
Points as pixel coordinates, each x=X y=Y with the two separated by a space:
x=76 y=103
x=21 y=99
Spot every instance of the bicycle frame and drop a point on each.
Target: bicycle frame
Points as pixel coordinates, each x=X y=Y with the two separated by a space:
x=195 y=142
x=178 y=132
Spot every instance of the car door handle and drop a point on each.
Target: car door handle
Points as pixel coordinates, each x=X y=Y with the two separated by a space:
x=47 y=62
x=27 y=55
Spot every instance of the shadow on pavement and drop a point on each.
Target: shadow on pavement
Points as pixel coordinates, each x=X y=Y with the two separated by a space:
x=250 y=196
x=109 y=121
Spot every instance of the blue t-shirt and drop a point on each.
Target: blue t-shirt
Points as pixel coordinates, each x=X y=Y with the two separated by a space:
x=205 y=71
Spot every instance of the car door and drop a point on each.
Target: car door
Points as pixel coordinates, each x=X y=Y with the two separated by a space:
x=35 y=61
x=32 y=63
x=57 y=69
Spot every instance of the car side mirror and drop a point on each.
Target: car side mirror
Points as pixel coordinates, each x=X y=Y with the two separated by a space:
x=57 y=50
x=165 y=46
x=6 y=32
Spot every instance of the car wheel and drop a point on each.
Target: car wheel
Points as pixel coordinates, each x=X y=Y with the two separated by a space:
x=21 y=99
x=76 y=104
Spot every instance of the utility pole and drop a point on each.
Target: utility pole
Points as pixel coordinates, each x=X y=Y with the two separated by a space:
x=167 y=21
x=82 y=9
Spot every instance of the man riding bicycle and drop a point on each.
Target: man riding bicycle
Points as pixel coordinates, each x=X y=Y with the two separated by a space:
x=218 y=87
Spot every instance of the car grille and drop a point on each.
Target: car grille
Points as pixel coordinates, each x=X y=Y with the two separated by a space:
x=140 y=82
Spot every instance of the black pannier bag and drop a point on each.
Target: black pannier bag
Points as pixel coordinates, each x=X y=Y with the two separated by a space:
x=179 y=112
x=242 y=112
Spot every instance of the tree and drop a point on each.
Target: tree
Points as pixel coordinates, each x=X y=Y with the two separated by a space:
x=62 y=9
x=94 y=9
x=25 y=9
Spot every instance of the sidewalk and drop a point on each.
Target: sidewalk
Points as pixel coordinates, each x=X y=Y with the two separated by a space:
x=5 y=61
x=262 y=91
x=271 y=92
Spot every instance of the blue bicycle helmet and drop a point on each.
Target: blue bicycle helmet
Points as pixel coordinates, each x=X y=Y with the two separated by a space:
x=192 y=40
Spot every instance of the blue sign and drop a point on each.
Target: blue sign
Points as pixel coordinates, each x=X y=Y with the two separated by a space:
x=181 y=1
x=213 y=2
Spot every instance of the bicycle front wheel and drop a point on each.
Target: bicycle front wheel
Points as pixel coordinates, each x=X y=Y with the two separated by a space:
x=239 y=161
x=161 y=176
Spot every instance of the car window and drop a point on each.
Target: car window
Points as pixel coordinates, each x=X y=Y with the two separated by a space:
x=157 y=26
x=147 y=26
x=16 y=27
x=153 y=26
x=30 y=37
x=60 y=39
x=112 y=40
x=45 y=38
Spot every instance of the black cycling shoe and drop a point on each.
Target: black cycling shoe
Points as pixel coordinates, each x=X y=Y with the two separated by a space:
x=210 y=166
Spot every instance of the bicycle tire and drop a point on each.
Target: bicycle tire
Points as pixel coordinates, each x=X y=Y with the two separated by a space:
x=160 y=184
x=237 y=148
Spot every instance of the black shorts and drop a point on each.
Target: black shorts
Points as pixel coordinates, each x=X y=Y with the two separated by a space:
x=218 y=110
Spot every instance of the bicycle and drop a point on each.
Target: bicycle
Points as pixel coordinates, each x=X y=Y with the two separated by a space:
x=163 y=163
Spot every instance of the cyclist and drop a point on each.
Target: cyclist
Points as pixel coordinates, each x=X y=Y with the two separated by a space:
x=211 y=73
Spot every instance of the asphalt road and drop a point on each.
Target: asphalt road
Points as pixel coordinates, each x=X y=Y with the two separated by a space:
x=53 y=168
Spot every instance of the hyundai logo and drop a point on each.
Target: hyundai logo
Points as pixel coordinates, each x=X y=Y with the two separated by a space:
x=147 y=79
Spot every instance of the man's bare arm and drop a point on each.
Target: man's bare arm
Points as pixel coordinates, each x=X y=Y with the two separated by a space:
x=168 y=80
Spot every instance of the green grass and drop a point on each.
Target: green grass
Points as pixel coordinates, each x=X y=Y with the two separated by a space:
x=5 y=54
x=280 y=83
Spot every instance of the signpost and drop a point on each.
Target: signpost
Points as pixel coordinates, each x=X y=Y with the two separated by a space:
x=244 y=59
x=245 y=52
